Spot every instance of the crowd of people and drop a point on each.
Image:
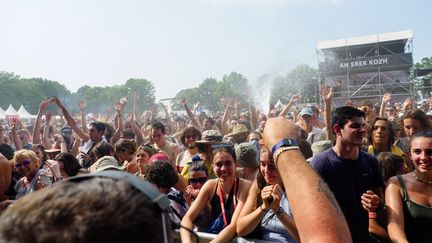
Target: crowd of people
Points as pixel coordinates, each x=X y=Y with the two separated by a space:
x=354 y=173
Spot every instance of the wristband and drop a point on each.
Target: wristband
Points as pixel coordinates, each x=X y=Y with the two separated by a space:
x=285 y=142
x=372 y=215
x=279 y=151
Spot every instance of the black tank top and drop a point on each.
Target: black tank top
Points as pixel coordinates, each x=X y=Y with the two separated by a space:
x=417 y=218
x=229 y=206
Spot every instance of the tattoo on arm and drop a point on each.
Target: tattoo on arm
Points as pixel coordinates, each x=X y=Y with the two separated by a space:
x=322 y=187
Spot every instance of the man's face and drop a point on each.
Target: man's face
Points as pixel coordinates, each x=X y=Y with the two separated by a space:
x=412 y=126
x=253 y=137
x=94 y=134
x=233 y=123
x=380 y=133
x=190 y=140
x=181 y=124
x=306 y=119
x=157 y=135
x=353 y=131
x=262 y=125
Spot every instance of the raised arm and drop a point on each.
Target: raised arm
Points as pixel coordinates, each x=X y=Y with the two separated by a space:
x=82 y=106
x=70 y=120
x=386 y=98
x=168 y=118
x=306 y=189
x=36 y=130
x=326 y=94
x=45 y=138
x=15 y=137
x=224 y=129
x=294 y=99
x=139 y=136
x=190 y=114
x=118 y=120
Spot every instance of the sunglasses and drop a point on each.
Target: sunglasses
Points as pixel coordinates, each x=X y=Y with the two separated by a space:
x=222 y=145
x=200 y=180
x=389 y=110
x=24 y=163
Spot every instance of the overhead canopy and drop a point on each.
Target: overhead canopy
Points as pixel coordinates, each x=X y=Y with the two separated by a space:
x=10 y=111
x=367 y=39
x=2 y=113
x=24 y=114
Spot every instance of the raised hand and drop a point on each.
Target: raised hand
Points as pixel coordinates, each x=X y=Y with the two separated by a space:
x=43 y=105
x=386 y=97
x=326 y=92
x=82 y=105
x=295 y=98
x=349 y=103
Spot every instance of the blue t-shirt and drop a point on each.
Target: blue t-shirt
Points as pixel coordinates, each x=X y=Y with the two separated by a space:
x=349 y=179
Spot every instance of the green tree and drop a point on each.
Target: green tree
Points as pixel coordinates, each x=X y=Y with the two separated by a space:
x=303 y=79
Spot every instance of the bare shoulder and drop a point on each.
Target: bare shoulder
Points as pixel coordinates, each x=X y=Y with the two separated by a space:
x=244 y=184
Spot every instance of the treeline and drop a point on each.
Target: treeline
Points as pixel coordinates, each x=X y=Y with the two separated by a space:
x=234 y=87
x=31 y=91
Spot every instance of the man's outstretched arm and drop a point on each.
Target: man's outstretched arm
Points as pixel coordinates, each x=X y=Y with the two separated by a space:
x=313 y=204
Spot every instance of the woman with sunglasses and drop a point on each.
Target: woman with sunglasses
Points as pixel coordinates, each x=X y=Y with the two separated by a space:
x=198 y=176
x=409 y=197
x=226 y=195
x=266 y=214
x=27 y=164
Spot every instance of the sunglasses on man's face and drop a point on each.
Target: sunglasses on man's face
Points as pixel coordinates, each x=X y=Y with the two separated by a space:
x=24 y=163
x=200 y=180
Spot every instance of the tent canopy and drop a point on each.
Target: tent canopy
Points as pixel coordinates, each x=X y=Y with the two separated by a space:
x=10 y=111
x=24 y=114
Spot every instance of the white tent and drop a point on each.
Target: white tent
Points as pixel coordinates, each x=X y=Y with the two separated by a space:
x=24 y=114
x=10 y=111
x=2 y=114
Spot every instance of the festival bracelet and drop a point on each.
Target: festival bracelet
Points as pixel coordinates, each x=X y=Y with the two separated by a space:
x=280 y=150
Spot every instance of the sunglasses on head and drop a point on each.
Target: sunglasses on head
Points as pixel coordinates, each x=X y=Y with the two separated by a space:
x=222 y=145
x=200 y=180
x=24 y=163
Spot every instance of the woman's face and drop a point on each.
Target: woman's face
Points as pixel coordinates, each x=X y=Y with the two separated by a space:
x=26 y=167
x=268 y=168
x=197 y=179
x=421 y=154
x=412 y=126
x=62 y=170
x=224 y=165
x=142 y=157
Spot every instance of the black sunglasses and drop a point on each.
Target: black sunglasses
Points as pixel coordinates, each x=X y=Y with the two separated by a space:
x=200 y=180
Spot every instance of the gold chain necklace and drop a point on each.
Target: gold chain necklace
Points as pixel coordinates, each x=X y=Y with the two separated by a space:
x=426 y=181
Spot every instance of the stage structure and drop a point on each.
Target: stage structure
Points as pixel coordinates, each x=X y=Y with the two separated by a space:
x=366 y=67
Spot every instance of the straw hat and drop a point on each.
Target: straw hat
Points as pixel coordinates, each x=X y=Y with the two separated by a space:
x=238 y=130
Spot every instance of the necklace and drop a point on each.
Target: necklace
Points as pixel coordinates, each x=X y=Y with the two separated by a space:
x=426 y=181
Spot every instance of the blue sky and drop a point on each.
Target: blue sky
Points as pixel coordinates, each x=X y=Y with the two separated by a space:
x=178 y=43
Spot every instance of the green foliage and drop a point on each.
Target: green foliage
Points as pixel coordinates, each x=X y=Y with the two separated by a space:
x=209 y=92
x=30 y=92
x=303 y=79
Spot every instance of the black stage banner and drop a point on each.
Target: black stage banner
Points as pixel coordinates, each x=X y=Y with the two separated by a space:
x=337 y=66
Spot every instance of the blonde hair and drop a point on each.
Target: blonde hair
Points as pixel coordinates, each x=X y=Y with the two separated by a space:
x=26 y=154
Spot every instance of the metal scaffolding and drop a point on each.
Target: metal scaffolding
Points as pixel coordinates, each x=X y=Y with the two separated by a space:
x=366 y=67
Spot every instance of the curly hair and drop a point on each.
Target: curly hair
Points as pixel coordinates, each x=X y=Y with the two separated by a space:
x=162 y=174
